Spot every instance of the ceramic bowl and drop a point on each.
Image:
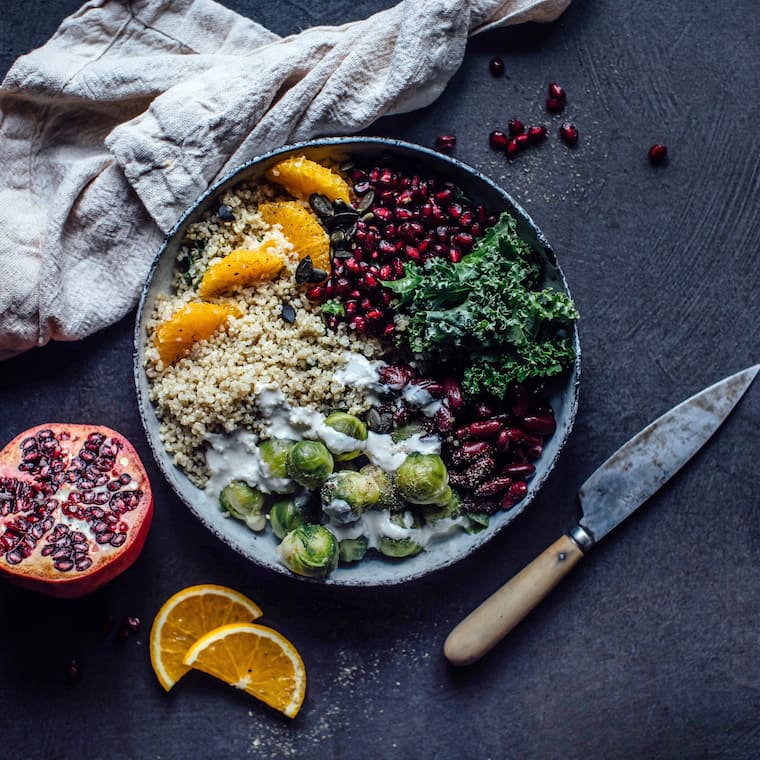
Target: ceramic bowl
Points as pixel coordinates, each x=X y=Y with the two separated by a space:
x=260 y=549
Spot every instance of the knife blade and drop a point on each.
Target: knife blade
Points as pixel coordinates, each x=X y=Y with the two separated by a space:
x=624 y=482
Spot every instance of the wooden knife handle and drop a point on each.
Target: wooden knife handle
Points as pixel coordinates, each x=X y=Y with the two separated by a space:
x=485 y=626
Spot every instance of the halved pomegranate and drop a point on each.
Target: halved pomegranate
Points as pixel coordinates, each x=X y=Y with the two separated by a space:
x=75 y=508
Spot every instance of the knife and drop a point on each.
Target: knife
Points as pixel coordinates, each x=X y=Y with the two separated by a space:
x=612 y=493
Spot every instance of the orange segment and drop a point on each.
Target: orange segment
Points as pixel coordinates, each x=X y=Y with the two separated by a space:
x=240 y=268
x=196 y=321
x=185 y=617
x=257 y=660
x=301 y=177
x=303 y=231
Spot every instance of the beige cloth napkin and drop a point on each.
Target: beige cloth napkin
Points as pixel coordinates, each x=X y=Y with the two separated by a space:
x=132 y=109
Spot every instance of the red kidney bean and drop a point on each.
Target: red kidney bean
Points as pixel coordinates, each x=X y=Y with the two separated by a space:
x=538 y=424
x=483 y=411
x=494 y=486
x=485 y=429
x=433 y=387
x=453 y=393
x=534 y=451
x=519 y=437
x=518 y=400
x=519 y=470
x=462 y=433
x=502 y=442
x=396 y=376
x=515 y=493
x=468 y=452
x=479 y=470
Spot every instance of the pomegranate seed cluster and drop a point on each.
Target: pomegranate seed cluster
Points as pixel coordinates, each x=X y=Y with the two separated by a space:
x=488 y=445
x=399 y=216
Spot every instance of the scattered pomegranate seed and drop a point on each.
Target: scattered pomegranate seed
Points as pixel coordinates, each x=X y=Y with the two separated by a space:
x=72 y=671
x=522 y=141
x=536 y=134
x=445 y=142
x=569 y=133
x=556 y=91
x=657 y=154
x=555 y=105
x=516 y=127
x=512 y=148
x=315 y=293
x=496 y=66
x=497 y=139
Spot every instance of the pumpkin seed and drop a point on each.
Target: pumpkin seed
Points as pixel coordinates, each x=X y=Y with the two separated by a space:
x=366 y=201
x=346 y=166
x=317 y=275
x=321 y=205
x=341 y=253
x=304 y=269
x=337 y=237
x=225 y=213
x=342 y=219
x=288 y=313
x=341 y=207
x=379 y=422
x=368 y=217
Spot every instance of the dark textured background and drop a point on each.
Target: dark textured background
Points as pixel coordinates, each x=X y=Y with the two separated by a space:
x=650 y=648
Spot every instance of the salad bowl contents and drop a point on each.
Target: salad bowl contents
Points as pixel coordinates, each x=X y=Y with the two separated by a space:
x=356 y=360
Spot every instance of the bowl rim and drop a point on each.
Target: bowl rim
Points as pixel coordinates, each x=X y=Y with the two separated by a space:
x=169 y=470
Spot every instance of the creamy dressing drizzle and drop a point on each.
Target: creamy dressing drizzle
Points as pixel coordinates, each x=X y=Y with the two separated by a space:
x=235 y=456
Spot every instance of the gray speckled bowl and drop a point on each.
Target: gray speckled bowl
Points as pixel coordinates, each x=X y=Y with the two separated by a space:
x=261 y=548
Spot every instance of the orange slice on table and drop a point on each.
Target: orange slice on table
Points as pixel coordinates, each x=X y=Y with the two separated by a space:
x=301 y=177
x=185 y=617
x=194 y=322
x=240 y=268
x=256 y=659
x=301 y=228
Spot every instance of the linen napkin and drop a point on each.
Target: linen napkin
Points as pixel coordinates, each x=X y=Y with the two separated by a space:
x=133 y=108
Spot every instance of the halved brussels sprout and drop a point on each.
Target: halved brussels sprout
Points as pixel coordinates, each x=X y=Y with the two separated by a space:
x=352 y=549
x=399 y=546
x=405 y=432
x=309 y=463
x=309 y=550
x=423 y=479
x=287 y=514
x=389 y=496
x=349 y=426
x=451 y=509
x=245 y=503
x=274 y=454
x=346 y=494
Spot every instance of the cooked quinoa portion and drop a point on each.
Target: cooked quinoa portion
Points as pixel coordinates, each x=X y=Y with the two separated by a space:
x=213 y=388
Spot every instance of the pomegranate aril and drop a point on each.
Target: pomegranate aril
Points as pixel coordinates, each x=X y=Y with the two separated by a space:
x=496 y=66
x=497 y=139
x=657 y=153
x=515 y=127
x=463 y=240
x=555 y=105
x=569 y=133
x=522 y=141
x=512 y=148
x=556 y=91
x=536 y=134
x=316 y=293
x=445 y=142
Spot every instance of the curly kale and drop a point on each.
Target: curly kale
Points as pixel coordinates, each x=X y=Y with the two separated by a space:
x=488 y=312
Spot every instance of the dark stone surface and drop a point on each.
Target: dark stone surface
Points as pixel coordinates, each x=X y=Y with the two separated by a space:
x=651 y=647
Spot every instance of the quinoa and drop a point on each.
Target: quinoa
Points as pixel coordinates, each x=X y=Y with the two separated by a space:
x=213 y=388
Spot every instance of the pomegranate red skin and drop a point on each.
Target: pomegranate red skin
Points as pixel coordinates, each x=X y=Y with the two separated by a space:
x=36 y=571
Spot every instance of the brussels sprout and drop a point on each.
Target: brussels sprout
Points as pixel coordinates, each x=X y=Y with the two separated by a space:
x=350 y=426
x=478 y=522
x=274 y=454
x=352 y=549
x=389 y=496
x=287 y=514
x=450 y=509
x=346 y=494
x=310 y=550
x=399 y=546
x=405 y=432
x=423 y=479
x=309 y=463
x=239 y=500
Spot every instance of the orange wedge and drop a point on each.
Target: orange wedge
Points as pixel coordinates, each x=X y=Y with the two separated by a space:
x=301 y=177
x=257 y=660
x=194 y=322
x=240 y=268
x=185 y=617
x=300 y=227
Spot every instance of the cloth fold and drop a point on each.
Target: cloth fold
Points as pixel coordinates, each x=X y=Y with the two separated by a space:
x=132 y=109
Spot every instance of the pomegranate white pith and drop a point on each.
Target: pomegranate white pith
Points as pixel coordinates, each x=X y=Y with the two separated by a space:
x=75 y=508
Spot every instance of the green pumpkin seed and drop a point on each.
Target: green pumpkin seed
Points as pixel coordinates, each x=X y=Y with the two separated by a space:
x=347 y=165
x=366 y=201
x=317 y=275
x=288 y=313
x=337 y=237
x=304 y=270
x=321 y=205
